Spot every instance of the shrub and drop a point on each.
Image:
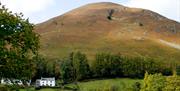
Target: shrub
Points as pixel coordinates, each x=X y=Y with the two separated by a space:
x=157 y=82
x=4 y=88
x=154 y=82
x=172 y=84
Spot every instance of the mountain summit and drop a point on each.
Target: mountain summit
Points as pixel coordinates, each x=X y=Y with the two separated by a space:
x=110 y=27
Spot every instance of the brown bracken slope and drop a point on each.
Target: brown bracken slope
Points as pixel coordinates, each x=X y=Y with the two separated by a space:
x=130 y=31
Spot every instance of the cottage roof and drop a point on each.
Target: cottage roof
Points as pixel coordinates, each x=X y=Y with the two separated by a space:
x=48 y=79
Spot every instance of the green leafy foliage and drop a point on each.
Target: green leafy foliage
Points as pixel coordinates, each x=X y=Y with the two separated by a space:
x=172 y=84
x=81 y=65
x=75 y=68
x=18 y=44
x=157 y=82
x=137 y=66
x=67 y=71
x=107 y=65
x=44 y=67
x=154 y=82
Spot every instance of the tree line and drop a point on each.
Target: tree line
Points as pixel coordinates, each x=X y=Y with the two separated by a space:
x=77 y=67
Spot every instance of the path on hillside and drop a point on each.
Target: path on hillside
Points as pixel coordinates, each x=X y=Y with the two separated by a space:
x=177 y=46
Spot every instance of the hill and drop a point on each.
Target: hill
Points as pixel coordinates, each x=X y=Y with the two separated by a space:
x=110 y=27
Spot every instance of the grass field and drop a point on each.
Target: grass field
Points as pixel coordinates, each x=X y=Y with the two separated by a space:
x=122 y=84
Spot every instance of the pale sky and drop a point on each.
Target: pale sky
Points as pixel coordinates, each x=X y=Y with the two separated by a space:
x=41 y=10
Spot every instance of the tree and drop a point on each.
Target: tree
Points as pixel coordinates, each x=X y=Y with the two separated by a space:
x=154 y=82
x=107 y=65
x=81 y=65
x=74 y=68
x=67 y=71
x=44 y=67
x=18 y=44
x=136 y=67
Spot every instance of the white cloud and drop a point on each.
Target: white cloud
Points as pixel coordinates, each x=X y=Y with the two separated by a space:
x=168 y=8
x=27 y=7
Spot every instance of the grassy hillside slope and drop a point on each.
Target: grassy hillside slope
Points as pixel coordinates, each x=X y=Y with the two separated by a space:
x=131 y=31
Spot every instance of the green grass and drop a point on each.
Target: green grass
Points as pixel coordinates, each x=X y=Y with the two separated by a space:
x=127 y=47
x=60 y=44
x=46 y=89
x=123 y=84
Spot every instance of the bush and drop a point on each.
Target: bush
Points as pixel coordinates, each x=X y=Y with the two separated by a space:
x=172 y=84
x=4 y=88
x=157 y=82
x=154 y=82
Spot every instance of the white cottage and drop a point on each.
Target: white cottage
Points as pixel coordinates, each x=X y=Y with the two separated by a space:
x=45 y=82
